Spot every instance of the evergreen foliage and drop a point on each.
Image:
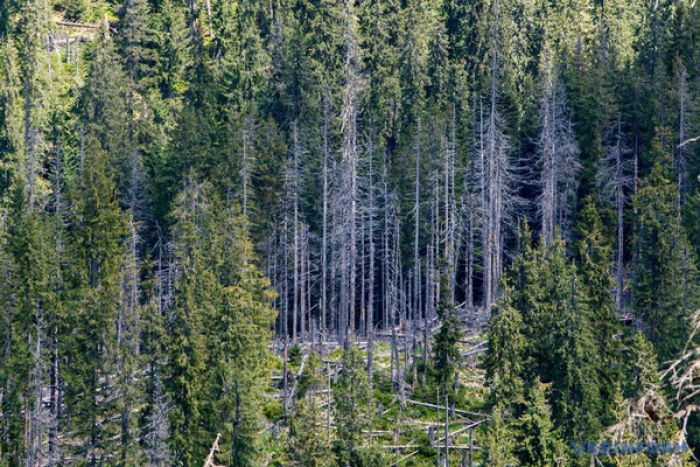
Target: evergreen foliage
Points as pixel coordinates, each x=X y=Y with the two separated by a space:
x=198 y=199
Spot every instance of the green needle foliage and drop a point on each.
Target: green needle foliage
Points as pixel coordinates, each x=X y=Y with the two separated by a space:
x=189 y=187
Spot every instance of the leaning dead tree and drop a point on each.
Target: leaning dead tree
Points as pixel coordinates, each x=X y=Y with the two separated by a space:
x=684 y=376
x=209 y=462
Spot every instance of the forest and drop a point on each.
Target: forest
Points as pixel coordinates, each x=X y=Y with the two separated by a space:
x=349 y=233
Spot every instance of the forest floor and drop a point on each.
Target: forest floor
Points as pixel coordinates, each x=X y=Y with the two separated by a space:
x=411 y=422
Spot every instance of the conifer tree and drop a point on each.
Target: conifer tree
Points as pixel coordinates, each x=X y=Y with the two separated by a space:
x=615 y=178
x=538 y=440
x=665 y=275
x=33 y=30
x=641 y=366
x=445 y=351
x=103 y=106
x=11 y=115
x=354 y=408
x=6 y=338
x=31 y=315
x=171 y=39
x=195 y=298
x=218 y=333
x=547 y=329
x=99 y=229
x=500 y=439
x=505 y=361
x=309 y=443
x=557 y=155
x=593 y=251
x=240 y=345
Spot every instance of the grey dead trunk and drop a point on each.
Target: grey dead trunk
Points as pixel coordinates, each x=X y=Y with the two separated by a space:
x=370 y=295
x=685 y=112
x=349 y=120
x=614 y=179
x=324 y=234
x=296 y=226
x=557 y=156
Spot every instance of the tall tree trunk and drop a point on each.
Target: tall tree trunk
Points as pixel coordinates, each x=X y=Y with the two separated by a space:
x=295 y=305
x=370 y=295
x=324 y=235
x=416 y=228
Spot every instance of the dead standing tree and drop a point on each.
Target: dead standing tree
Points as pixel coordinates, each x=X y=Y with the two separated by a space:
x=348 y=174
x=496 y=173
x=556 y=157
x=615 y=180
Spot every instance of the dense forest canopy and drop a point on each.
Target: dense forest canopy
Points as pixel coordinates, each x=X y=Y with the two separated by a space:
x=216 y=213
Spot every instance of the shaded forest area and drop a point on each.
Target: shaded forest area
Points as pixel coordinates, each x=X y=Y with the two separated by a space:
x=348 y=233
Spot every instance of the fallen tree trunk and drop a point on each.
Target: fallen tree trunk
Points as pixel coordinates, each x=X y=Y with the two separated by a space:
x=69 y=24
x=442 y=407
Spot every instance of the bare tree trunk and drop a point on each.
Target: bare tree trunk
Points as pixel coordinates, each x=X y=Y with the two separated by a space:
x=363 y=255
x=247 y=133
x=683 y=120
x=303 y=273
x=334 y=304
x=620 y=264
x=615 y=177
x=452 y=227
x=36 y=426
x=285 y=297
x=447 y=431
x=437 y=239
x=29 y=138
x=370 y=295
x=620 y=205
x=386 y=257
x=549 y=150
x=449 y=206
x=416 y=230
x=295 y=305
x=53 y=403
x=485 y=212
x=349 y=130
x=324 y=239
x=309 y=319
x=557 y=156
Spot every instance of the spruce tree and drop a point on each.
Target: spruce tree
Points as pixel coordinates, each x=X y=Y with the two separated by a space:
x=31 y=315
x=308 y=439
x=218 y=333
x=98 y=231
x=641 y=366
x=500 y=442
x=665 y=275
x=594 y=268
x=354 y=410
x=445 y=350
x=537 y=438
x=240 y=333
x=505 y=360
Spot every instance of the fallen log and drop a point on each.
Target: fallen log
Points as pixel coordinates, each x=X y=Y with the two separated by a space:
x=461 y=430
x=442 y=407
x=70 y=24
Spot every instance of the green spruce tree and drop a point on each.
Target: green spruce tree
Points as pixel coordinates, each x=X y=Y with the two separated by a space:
x=665 y=275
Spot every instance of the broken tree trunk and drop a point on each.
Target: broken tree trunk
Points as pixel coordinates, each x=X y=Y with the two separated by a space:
x=209 y=462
